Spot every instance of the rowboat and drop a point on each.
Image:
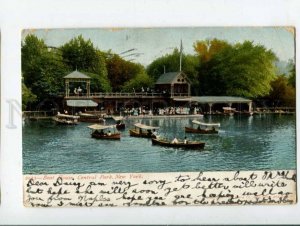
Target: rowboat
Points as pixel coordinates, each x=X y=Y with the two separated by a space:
x=229 y=111
x=203 y=128
x=187 y=145
x=84 y=117
x=104 y=132
x=141 y=130
x=119 y=122
x=63 y=119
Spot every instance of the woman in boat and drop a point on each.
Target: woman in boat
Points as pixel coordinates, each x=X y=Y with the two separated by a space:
x=174 y=141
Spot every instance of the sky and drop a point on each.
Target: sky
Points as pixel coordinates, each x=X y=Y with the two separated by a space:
x=143 y=45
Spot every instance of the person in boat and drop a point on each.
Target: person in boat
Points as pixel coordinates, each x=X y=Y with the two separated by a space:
x=199 y=128
x=174 y=141
x=141 y=131
x=149 y=132
x=101 y=132
x=154 y=133
x=213 y=129
x=185 y=140
x=109 y=133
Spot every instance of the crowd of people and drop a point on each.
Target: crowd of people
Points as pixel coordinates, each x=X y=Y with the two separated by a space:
x=160 y=111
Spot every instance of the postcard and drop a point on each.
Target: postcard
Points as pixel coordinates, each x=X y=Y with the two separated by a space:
x=159 y=116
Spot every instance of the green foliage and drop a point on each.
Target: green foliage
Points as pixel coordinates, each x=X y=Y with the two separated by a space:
x=292 y=74
x=136 y=83
x=282 y=93
x=80 y=54
x=171 y=63
x=27 y=96
x=121 y=71
x=43 y=69
x=99 y=83
x=238 y=70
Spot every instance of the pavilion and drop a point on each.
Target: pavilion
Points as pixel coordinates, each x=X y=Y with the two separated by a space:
x=77 y=98
x=211 y=100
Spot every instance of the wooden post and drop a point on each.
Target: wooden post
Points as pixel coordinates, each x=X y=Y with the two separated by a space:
x=88 y=88
x=67 y=93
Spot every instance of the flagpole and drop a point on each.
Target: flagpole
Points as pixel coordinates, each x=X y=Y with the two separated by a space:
x=180 y=55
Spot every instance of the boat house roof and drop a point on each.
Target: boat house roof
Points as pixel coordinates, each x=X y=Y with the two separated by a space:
x=215 y=99
x=76 y=75
x=170 y=77
x=220 y=99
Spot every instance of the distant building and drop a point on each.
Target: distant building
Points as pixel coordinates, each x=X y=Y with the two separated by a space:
x=174 y=84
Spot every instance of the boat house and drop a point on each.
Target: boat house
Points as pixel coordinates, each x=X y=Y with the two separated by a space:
x=174 y=84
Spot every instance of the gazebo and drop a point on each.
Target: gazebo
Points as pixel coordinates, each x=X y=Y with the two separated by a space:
x=77 y=76
x=174 y=83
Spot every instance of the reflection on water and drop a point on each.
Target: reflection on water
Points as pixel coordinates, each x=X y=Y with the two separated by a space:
x=244 y=143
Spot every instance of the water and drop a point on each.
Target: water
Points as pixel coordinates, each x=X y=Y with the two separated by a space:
x=266 y=142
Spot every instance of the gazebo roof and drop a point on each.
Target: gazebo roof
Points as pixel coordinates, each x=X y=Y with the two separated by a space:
x=170 y=77
x=76 y=75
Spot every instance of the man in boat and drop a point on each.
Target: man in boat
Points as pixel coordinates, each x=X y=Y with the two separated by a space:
x=101 y=132
x=109 y=133
x=174 y=141
x=185 y=140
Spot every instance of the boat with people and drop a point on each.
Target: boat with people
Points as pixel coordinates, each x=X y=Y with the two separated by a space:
x=203 y=128
x=104 y=132
x=85 y=117
x=179 y=144
x=141 y=130
x=119 y=122
x=64 y=119
x=229 y=111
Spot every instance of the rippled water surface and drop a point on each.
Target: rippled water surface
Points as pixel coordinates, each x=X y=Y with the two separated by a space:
x=244 y=143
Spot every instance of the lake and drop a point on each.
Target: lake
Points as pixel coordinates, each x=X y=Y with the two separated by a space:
x=259 y=142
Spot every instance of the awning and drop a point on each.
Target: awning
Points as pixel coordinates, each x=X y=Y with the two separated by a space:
x=142 y=126
x=67 y=116
x=206 y=124
x=101 y=127
x=183 y=99
x=81 y=103
x=118 y=118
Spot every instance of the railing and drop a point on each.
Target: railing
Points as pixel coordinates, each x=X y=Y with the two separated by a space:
x=125 y=95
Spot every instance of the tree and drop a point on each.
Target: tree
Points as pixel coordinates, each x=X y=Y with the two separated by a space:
x=170 y=63
x=80 y=54
x=138 y=82
x=238 y=70
x=99 y=83
x=292 y=74
x=121 y=71
x=27 y=96
x=42 y=68
x=282 y=93
x=208 y=48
